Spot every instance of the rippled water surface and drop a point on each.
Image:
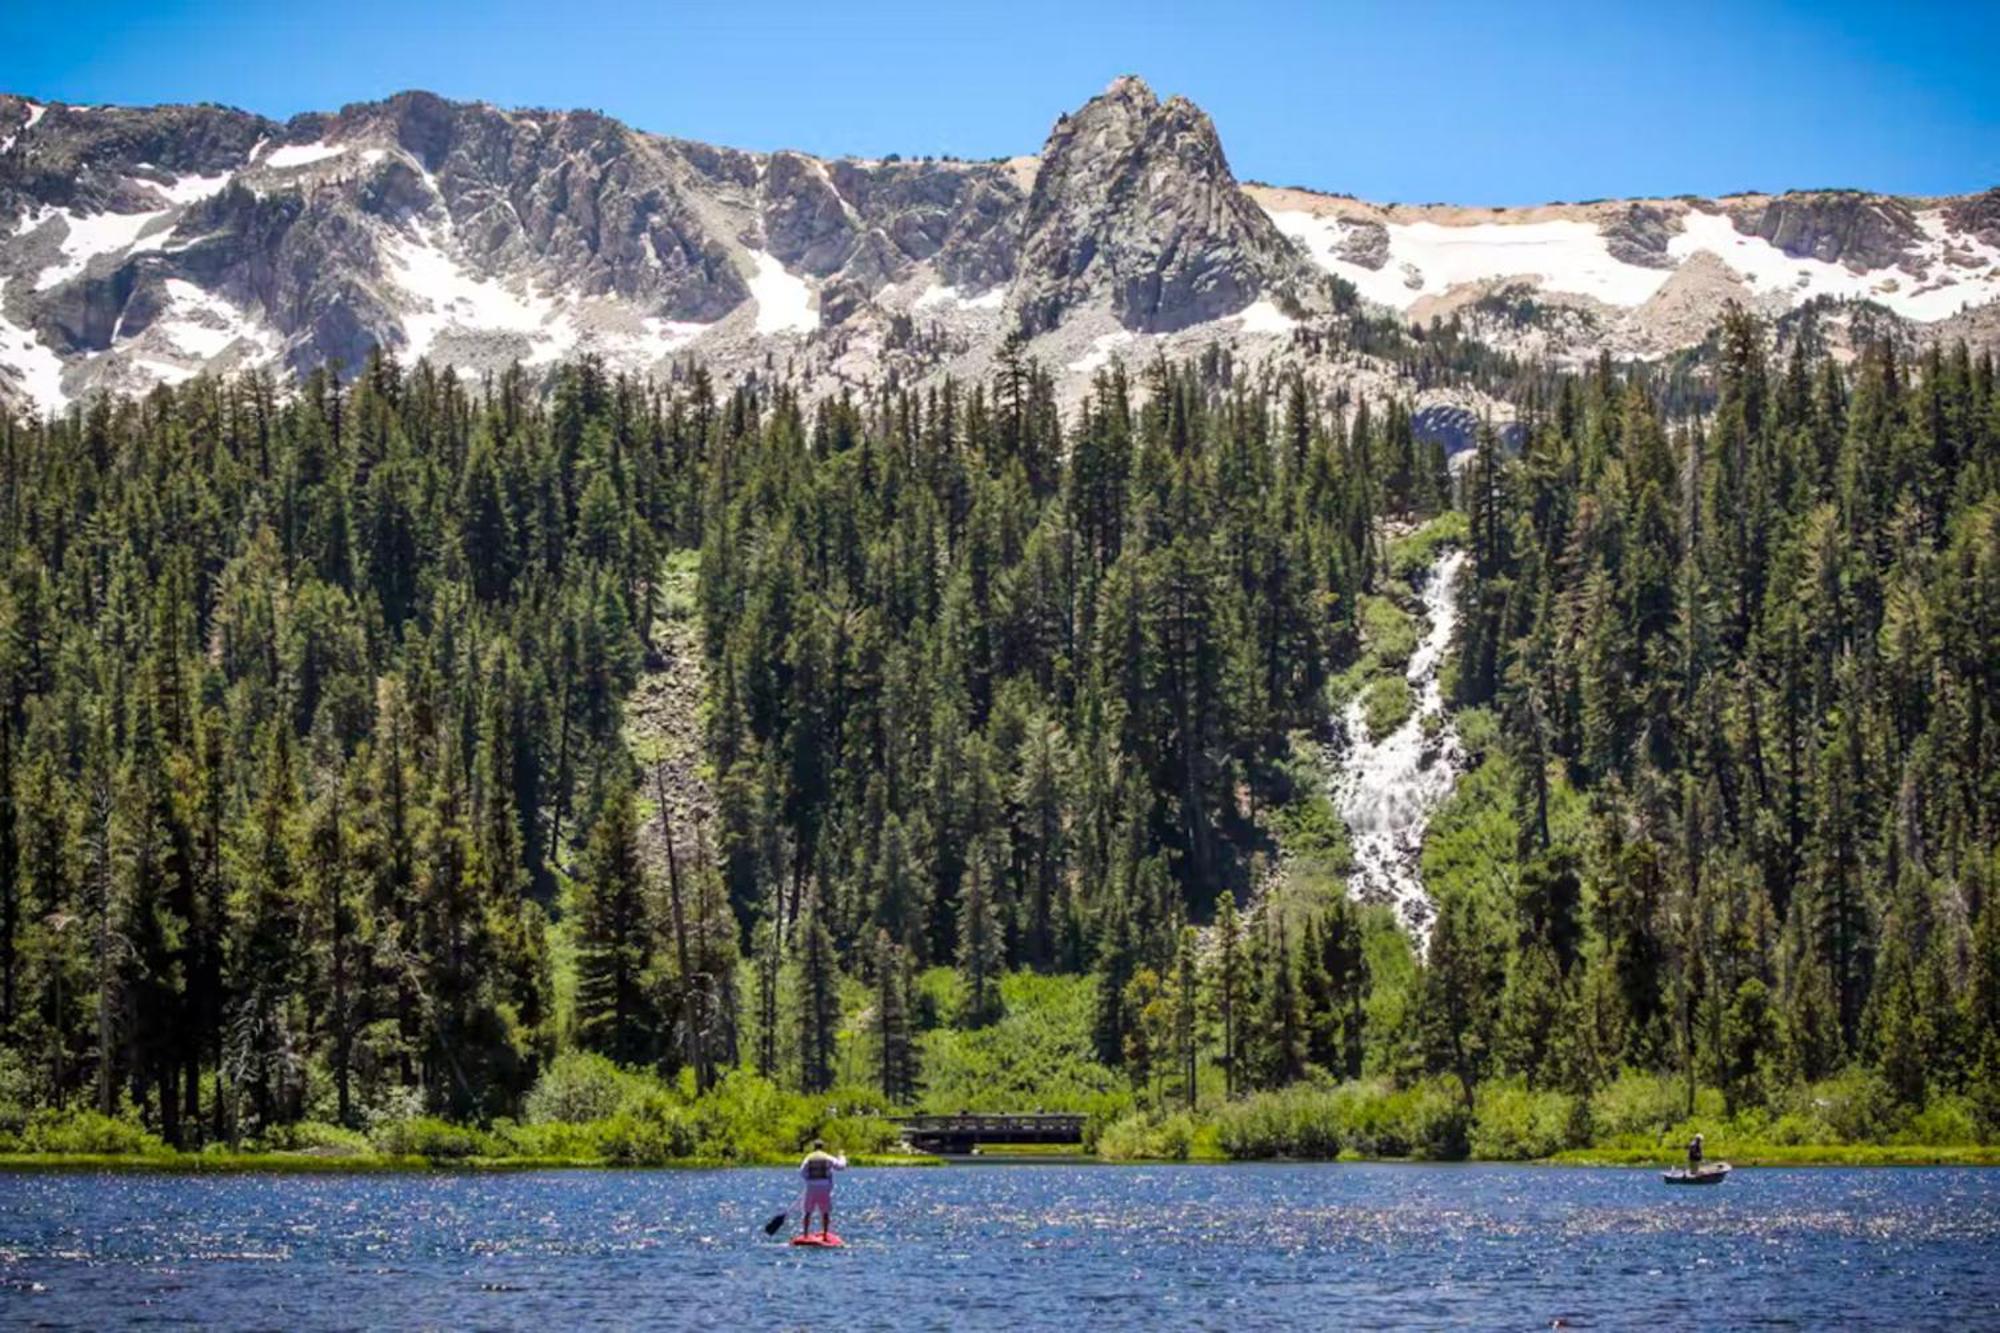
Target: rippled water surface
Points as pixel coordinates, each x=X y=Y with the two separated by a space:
x=1023 y=1246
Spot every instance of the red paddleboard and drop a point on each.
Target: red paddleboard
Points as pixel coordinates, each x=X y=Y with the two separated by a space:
x=819 y=1242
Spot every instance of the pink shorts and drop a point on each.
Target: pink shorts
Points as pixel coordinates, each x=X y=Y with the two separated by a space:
x=819 y=1197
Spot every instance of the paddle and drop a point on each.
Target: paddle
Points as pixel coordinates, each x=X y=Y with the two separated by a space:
x=771 y=1227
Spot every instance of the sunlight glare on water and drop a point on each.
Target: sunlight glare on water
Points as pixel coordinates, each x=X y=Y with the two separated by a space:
x=1241 y=1247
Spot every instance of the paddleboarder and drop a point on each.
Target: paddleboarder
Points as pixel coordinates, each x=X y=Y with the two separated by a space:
x=817 y=1169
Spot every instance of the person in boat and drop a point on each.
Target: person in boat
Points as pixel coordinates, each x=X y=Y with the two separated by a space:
x=1694 y=1155
x=817 y=1170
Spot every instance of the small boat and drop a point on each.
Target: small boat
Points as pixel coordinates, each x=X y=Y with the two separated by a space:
x=1707 y=1175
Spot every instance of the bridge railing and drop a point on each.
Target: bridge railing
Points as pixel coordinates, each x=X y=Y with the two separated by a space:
x=974 y=1127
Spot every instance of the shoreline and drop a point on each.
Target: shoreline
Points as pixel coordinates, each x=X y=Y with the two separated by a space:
x=1819 y=1156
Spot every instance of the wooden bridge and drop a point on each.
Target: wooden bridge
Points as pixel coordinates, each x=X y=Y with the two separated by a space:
x=958 y=1134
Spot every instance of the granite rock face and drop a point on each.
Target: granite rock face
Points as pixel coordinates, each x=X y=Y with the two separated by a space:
x=1135 y=206
x=141 y=245
x=1639 y=235
x=1366 y=243
x=327 y=235
x=1862 y=231
x=1977 y=215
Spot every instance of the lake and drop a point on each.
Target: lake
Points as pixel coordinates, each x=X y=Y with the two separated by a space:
x=1233 y=1247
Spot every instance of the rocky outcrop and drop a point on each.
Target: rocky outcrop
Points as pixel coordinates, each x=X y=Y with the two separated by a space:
x=864 y=225
x=1365 y=242
x=807 y=225
x=1639 y=235
x=1135 y=207
x=112 y=159
x=1977 y=215
x=961 y=218
x=1862 y=231
x=589 y=205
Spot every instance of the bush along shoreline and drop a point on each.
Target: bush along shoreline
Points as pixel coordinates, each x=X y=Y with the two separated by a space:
x=588 y=1113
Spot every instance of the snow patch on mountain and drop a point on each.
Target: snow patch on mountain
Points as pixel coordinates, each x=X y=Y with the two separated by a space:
x=784 y=300
x=87 y=237
x=447 y=297
x=302 y=154
x=665 y=336
x=945 y=295
x=1948 y=285
x=1264 y=317
x=34 y=361
x=194 y=189
x=1424 y=259
x=200 y=324
x=1429 y=259
x=1102 y=349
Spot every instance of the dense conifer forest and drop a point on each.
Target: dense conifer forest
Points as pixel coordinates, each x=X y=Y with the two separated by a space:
x=324 y=805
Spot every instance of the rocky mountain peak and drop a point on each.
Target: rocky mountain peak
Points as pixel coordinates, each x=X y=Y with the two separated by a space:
x=141 y=245
x=1128 y=96
x=1135 y=207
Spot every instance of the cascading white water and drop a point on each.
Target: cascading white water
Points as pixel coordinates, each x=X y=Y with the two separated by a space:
x=1386 y=790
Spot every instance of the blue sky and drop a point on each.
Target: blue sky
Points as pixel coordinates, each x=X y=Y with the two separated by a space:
x=1472 y=103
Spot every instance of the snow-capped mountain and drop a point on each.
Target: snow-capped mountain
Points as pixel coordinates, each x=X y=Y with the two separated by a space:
x=146 y=245
x=1644 y=277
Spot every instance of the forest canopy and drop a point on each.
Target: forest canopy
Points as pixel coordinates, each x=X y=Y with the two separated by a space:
x=326 y=801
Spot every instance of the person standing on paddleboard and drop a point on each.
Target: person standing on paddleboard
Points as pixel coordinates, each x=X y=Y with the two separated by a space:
x=817 y=1169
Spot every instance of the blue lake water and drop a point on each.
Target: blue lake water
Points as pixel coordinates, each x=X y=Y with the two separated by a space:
x=1023 y=1247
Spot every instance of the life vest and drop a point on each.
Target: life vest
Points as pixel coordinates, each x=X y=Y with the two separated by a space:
x=819 y=1167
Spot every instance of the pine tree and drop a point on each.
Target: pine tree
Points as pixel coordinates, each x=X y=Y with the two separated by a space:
x=616 y=933
x=818 y=990
x=892 y=1021
x=1187 y=1048
x=1226 y=989
x=981 y=945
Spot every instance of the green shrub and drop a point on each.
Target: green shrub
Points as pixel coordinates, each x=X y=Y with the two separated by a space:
x=1638 y=1106
x=1511 y=1123
x=1411 y=557
x=17 y=1095
x=314 y=1136
x=87 y=1132
x=1128 y=1139
x=1298 y=1122
x=1371 y=1118
x=679 y=585
x=1793 y=1129
x=1856 y=1105
x=553 y=1140
x=1439 y=1124
x=1306 y=823
x=651 y=1134
x=1478 y=730
x=1142 y=1137
x=1374 y=1119
x=1388 y=632
x=1944 y=1122
x=581 y=1086
x=1040 y=1054
x=861 y=1134
x=748 y=1118
x=437 y=1140
x=1389 y=704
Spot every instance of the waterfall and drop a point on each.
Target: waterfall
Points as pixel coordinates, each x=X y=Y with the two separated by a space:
x=1387 y=790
